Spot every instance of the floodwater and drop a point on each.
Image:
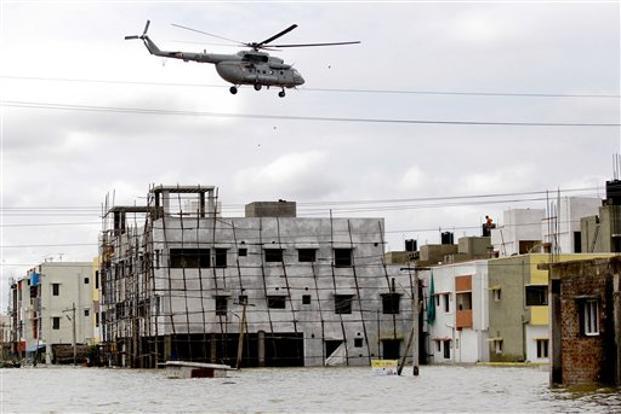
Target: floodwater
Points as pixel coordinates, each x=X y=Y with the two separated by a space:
x=437 y=389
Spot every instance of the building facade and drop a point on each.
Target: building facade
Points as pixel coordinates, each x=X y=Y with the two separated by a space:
x=42 y=308
x=520 y=232
x=188 y=284
x=586 y=322
x=561 y=230
x=518 y=306
x=458 y=330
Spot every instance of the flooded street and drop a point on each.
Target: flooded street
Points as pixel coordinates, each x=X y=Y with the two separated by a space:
x=293 y=390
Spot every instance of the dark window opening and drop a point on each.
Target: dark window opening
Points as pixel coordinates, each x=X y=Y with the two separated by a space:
x=97 y=319
x=242 y=252
x=390 y=303
x=342 y=257
x=276 y=302
x=447 y=303
x=342 y=304
x=536 y=295
x=55 y=322
x=306 y=299
x=307 y=255
x=358 y=342
x=577 y=242
x=542 y=348
x=391 y=348
x=86 y=280
x=189 y=258
x=220 y=257
x=447 y=349
x=221 y=305
x=273 y=255
x=96 y=279
x=55 y=289
x=243 y=299
x=87 y=312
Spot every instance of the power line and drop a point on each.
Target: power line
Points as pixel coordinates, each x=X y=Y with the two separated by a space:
x=340 y=90
x=147 y=111
x=340 y=202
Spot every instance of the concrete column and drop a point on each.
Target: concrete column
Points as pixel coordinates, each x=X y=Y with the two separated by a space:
x=616 y=294
x=261 y=347
x=556 y=371
x=213 y=348
x=167 y=347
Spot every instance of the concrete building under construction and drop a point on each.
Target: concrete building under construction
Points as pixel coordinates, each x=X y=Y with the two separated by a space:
x=181 y=282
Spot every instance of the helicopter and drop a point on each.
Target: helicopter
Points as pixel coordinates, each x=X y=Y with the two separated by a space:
x=248 y=67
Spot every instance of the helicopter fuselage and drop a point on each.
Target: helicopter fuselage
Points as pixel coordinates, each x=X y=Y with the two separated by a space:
x=247 y=67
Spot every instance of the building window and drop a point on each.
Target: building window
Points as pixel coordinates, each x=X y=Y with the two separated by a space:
x=273 y=255
x=220 y=257
x=498 y=346
x=55 y=289
x=342 y=304
x=221 y=305
x=97 y=319
x=189 y=258
x=276 y=302
x=497 y=295
x=589 y=317
x=358 y=342
x=86 y=281
x=242 y=252
x=447 y=349
x=536 y=295
x=56 y=322
x=542 y=348
x=464 y=301
x=96 y=279
x=438 y=345
x=306 y=299
x=342 y=257
x=307 y=255
x=87 y=312
x=390 y=303
x=437 y=300
x=243 y=299
x=447 y=304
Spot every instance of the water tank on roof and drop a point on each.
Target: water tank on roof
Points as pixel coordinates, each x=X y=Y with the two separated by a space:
x=411 y=245
x=613 y=192
x=447 y=237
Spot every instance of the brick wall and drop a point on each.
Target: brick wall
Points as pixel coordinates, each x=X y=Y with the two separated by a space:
x=587 y=359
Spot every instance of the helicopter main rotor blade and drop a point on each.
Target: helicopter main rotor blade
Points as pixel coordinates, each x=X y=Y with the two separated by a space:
x=146 y=27
x=317 y=44
x=209 y=34
x=276 y=36
x=132 y=37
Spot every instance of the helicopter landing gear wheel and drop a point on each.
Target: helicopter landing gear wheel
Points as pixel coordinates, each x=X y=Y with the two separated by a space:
x=257 y=87
x=281 y=94
x=233 y=90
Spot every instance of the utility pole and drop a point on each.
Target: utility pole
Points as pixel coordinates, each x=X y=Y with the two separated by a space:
x=73 y=335
x=242 y=327
x=414 y=334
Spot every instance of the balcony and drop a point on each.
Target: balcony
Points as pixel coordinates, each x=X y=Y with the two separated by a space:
x=463 y=319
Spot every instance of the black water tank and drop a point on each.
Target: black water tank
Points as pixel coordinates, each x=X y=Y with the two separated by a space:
x=447 y=237
x=613 y=192
x=411 y=245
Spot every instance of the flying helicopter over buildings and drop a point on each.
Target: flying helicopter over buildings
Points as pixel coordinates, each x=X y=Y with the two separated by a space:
x=247 y=67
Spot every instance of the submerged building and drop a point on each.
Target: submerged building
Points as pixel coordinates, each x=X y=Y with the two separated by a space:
x=51 y=307
x=181 y=282
x=586 y=322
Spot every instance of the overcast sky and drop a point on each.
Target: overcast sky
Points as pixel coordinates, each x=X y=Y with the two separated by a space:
x=53 y=158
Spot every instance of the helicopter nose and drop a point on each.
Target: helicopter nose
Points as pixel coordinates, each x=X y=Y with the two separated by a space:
x=299 y=80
